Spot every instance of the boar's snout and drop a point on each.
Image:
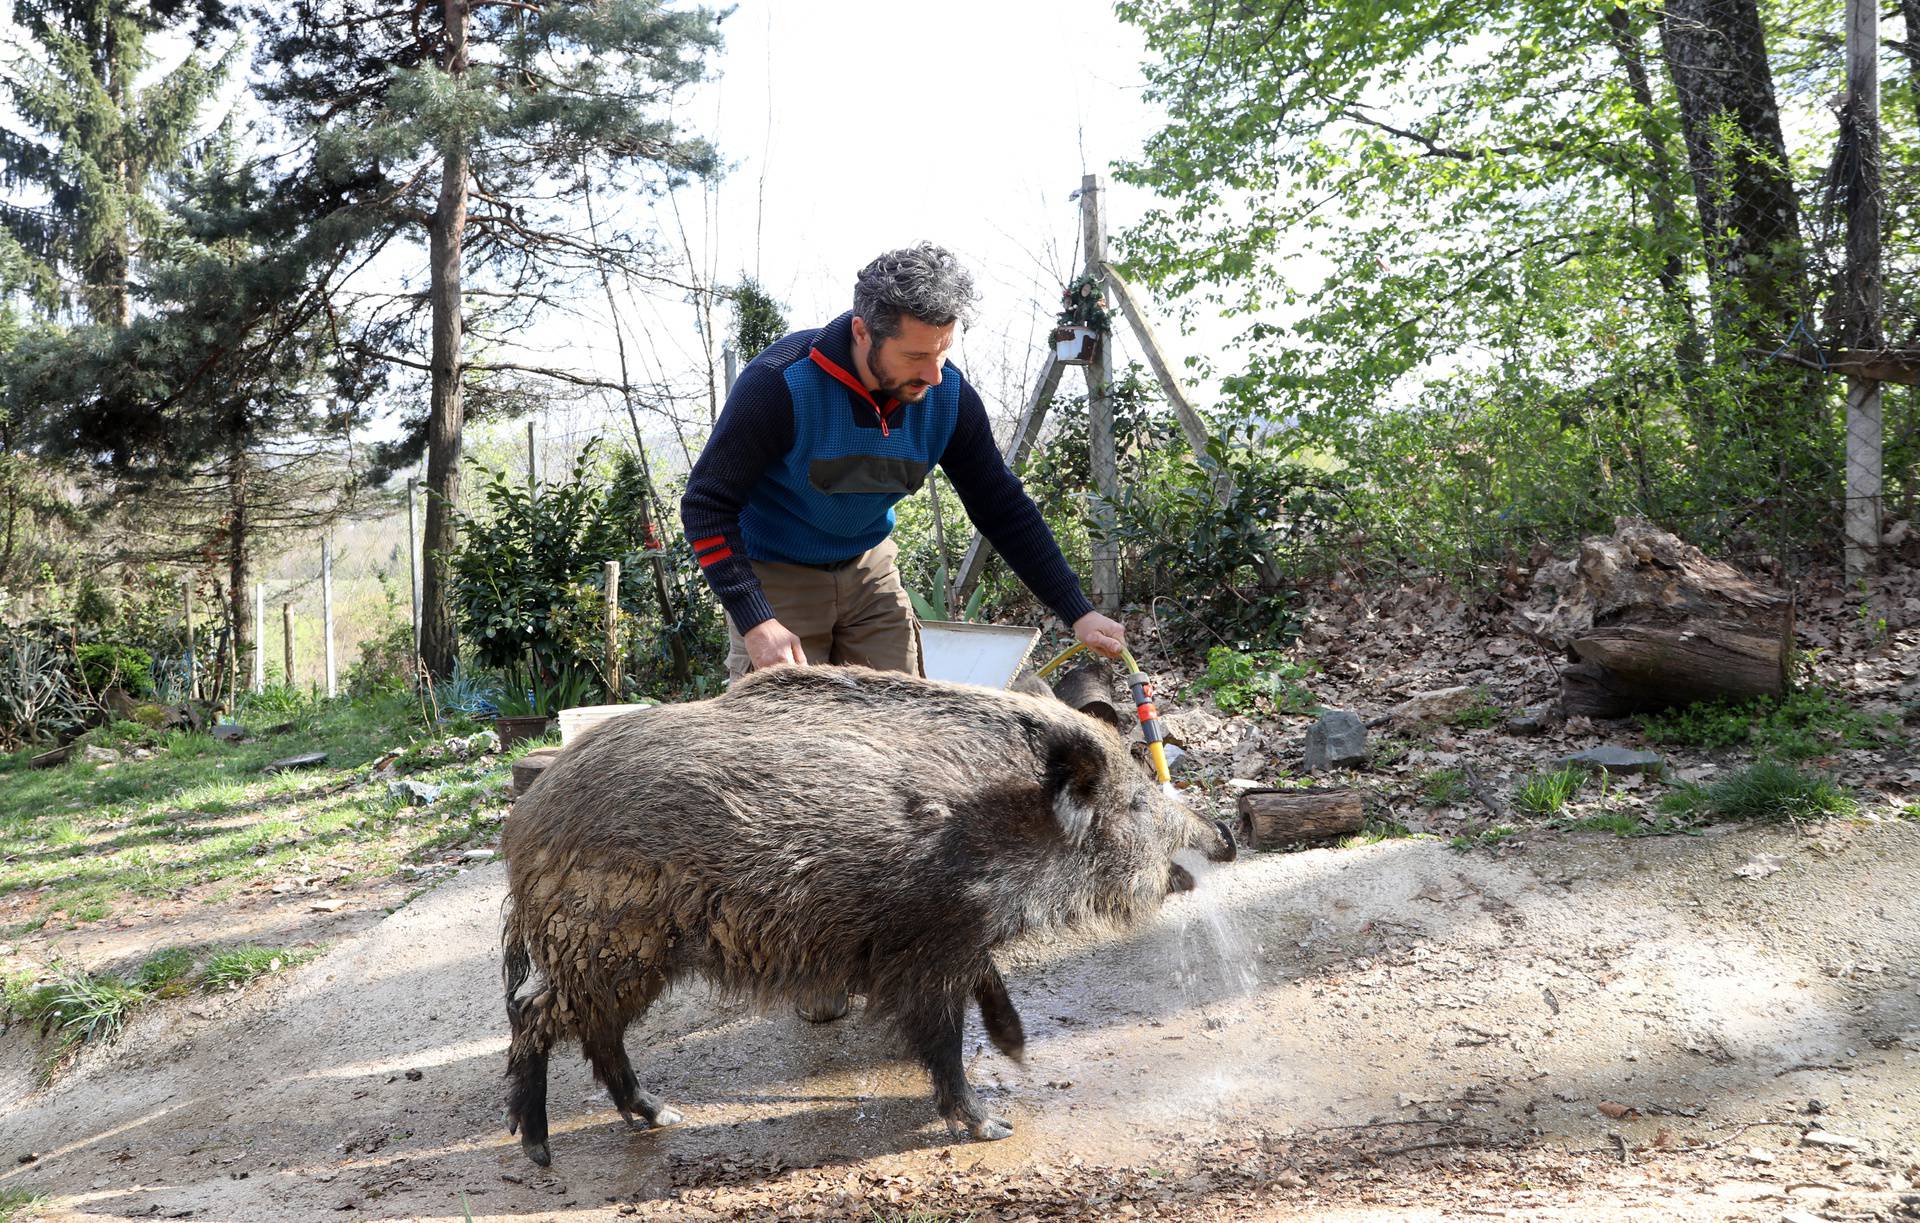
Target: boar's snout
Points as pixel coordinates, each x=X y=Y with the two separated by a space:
x=1227 y=851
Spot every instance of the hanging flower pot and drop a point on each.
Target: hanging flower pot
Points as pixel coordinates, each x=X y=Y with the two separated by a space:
x=1075 y=344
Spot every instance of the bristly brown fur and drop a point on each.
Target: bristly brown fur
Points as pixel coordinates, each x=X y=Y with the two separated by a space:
x=815 y=830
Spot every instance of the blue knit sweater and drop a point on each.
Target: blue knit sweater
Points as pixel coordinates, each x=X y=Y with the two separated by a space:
x=805 y=467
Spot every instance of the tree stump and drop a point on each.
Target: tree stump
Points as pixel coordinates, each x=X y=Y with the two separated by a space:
x=529 y=767
x=1271 y=819
x=1649 y=622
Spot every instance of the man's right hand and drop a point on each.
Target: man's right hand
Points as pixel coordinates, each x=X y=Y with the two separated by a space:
x=769 y=644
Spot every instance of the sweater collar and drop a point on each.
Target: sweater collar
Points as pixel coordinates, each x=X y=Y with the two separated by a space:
x=833 y=352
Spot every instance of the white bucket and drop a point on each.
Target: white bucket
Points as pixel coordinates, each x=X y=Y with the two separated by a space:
x=577 y=722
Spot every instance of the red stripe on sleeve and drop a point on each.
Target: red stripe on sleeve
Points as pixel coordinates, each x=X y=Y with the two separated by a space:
x=701 y=545
x=714 y=557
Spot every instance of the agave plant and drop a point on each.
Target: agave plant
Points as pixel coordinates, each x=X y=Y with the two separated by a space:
x=37 y=697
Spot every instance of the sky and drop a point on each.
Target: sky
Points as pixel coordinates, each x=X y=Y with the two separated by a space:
x=855 y=126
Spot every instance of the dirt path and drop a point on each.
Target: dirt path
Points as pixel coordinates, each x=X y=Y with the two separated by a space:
x=1417 y=1033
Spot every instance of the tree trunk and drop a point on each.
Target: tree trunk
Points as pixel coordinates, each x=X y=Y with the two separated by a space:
x=439 y=646
x=1651 y=623
x=1716 y=55
x=239 y=561
x=1910 y=9
x=1690 y=348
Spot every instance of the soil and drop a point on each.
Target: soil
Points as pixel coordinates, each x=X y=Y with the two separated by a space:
x=1724 y=1026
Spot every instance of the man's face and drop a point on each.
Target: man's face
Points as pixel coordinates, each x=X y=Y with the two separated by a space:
x=907 y=366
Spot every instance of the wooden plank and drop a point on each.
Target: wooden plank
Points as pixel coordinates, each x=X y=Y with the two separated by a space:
x=1190 y=422
x=1025 y=433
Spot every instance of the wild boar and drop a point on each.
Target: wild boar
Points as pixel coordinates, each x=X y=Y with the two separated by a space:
x=812 y=831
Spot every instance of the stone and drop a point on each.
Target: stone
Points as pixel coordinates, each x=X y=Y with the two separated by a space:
x=1613 y=760
x=94 y=754
x=1440 y=705
x=229 y=732
x=306 y=761
x=477 y=855
x=1337 y=740
x=413 y=793
x=333 y=904
x=1176 y=758
x=1534 y=720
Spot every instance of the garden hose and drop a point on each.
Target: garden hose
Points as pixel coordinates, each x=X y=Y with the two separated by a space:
x=1142 y=702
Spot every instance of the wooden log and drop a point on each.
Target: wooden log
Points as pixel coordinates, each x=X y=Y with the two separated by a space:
x=1273 y=819
x=529 y=767
x=1089 y=689
x=1648 y=622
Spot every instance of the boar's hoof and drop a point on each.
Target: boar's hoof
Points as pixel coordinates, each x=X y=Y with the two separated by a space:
x=666 y=1117
x=1226 y=834
x=1179 y=879
x=987 y=1129
x=823 y=1008
x=538 y=1152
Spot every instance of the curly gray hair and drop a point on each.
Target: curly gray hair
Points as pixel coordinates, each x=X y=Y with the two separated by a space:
x=923 y=281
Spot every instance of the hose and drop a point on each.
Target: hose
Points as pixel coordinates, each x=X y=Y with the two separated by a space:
x=1142 y=687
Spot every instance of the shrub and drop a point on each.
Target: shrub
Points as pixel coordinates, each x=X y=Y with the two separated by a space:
x=37 y=698
x=1547 y=793
x=110 y=664
x=1256 y=683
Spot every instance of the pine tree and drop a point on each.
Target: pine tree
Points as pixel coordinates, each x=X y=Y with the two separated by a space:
x=483 y=123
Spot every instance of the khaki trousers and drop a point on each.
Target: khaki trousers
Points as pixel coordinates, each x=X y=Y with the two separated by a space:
x=858 y=613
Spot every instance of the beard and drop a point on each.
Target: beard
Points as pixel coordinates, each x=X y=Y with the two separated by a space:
x=905 y=392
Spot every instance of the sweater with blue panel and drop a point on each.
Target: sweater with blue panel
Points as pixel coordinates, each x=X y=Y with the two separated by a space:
x=804 y=467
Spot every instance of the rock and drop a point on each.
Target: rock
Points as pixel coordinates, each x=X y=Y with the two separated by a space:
x=1821 y=1138
x=1534 y=720
x=1236 y=786
x=1613 y=760
x=1176 y=757
x=413 y=793
x=1337 y=740
x=306 y=761
x=333 y=904
x=477 y=855
x=229 y=732
x=1434 y=705
x=94 y=754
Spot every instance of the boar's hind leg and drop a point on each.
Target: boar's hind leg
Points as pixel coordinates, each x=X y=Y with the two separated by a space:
x=607 y=1051
x=998 y=1016
x=527 y=1076
x=934 y=1030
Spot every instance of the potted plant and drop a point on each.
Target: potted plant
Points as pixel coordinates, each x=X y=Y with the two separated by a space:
x=1082 y=323
x=535 y=694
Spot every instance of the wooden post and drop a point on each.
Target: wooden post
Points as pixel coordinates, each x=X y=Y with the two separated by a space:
x=286 y=637
x=1025 y=433
x=533 y=466
x=193 y=663
x=940 y=545
x=611 y=571
x=1861 y=120
x=413 y=569
x=326 y=610
x=1106 y=561
x=733 y=366
x=259 y=636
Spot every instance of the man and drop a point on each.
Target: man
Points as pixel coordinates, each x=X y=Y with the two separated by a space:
x=790 y=505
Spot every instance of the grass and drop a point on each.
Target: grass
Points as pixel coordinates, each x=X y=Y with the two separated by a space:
x=1375 y=831
x=13 y=1201
x=916 y=1215
x=1769 y=791
x=1483 y=714
x=200 y=818
x=1485 y=838
x=1444 y=787
x=167 y=973
x=238 y=966
x=1548 y=793
x=1805 y=723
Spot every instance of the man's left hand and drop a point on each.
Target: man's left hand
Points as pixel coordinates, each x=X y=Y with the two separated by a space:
x=1100 y=634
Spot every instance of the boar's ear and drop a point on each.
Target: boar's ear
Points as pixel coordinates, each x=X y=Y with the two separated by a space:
x=1076 y=764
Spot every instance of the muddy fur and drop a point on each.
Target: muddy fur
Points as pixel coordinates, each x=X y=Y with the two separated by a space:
x=814 y=830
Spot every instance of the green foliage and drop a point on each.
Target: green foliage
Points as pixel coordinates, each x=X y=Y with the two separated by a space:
x=13 y=1201
x=1375 y=831
x=105 y=664
x=78 y=1007
x=1805 y=723
x=1083 y=303
x=166 y=973
x=757 y=319
x=1482 y=714
x=1767 y=791
x=1262 y=682
x=1547 y=793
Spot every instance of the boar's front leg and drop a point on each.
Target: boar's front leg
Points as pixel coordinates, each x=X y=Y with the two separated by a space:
x=935 y=1030
x=998 y=1016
